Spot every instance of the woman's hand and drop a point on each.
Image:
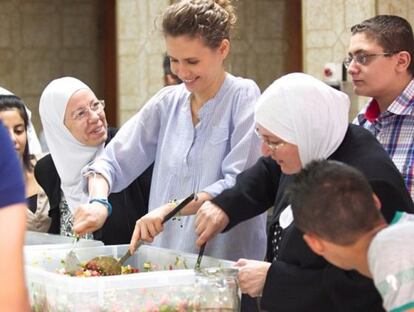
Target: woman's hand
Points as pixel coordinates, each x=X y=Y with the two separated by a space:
x=89 y=218
x=210 y=220
x=252 y=276
x=149 y=226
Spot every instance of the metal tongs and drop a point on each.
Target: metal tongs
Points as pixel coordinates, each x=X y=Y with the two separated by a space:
x=179 y=207
x=166 y=218
x=111 y=266
x=200 y=256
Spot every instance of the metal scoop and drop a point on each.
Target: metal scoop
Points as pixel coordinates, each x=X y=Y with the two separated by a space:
x=200 y=256
x=108 y=265
x=72 y=263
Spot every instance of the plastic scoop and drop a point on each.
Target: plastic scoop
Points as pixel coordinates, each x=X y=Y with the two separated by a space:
x=108 y=265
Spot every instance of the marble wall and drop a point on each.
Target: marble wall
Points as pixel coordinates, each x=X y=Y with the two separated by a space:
x=326 y=31
x=260 y=44
x=403 y=8
x=140 y=48
x=44 y=39
x=259 y=47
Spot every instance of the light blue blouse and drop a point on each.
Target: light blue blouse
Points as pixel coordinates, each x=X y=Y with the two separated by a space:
x=190 y=159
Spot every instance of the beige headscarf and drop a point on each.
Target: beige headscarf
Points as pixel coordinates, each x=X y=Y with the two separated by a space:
x=305 y=111
x=69 y=155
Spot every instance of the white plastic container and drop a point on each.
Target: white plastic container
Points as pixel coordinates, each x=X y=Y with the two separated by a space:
x=38 y=240
x=169 y=290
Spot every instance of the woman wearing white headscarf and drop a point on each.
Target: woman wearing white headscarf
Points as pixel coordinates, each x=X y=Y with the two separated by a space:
x=75 y=127
x=34 y=143
x=60 y=140
x=13 y=114
x=300 y=119
x=69 y=155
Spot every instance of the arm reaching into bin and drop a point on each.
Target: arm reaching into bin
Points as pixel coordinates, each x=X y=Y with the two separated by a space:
x=92 y=216
x=151 y=224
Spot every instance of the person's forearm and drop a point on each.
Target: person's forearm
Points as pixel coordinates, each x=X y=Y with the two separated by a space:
x=195 y=204
x=98 y=187
x=191 y=208
x=91 y=216
x=253 y=193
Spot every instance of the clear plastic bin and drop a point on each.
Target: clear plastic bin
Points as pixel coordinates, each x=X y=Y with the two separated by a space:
x=169 y=290
x=38 y=240
x=217 y=289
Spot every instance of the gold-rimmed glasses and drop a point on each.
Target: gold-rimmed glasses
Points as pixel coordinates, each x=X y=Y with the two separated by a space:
x=273 y=146
x=82 y=113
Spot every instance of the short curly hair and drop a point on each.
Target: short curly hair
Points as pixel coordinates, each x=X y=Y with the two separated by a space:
x=208 y=19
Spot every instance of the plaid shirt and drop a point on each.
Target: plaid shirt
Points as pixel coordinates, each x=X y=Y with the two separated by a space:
x=394 y=129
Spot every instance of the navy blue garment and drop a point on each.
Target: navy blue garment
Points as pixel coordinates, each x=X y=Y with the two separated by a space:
x=298 y=279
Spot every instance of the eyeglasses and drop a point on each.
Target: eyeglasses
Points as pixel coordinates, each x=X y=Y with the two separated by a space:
x=83 y=112
x=272 y=146
x=362 y=58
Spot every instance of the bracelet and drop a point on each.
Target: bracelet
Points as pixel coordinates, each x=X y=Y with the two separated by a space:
x=104 y=202
x=174 y=204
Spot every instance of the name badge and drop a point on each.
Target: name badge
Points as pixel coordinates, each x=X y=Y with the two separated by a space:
x=286 y=217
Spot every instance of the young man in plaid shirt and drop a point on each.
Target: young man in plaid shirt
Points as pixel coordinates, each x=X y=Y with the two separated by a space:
x=381 y=66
